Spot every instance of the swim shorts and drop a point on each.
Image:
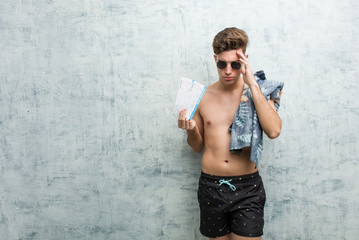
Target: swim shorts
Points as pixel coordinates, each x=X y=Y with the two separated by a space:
x=231 y=204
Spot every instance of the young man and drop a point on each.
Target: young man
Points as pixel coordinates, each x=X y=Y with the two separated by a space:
x=231 y=193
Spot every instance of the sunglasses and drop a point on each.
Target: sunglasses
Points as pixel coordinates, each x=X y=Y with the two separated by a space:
x=235 y=65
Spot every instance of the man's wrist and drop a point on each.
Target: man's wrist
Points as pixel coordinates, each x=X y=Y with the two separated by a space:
x=253 y=85
x=192 y=131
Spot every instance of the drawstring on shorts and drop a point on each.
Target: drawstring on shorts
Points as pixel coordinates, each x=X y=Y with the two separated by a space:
x=222 y=181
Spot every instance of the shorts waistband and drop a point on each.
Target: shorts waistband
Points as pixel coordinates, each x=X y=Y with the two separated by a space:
x=239 y=178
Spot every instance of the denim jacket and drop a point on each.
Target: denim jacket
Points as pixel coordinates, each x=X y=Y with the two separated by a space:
x=246 y=130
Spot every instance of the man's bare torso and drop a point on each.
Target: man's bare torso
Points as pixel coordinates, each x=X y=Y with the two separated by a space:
x=217 y=110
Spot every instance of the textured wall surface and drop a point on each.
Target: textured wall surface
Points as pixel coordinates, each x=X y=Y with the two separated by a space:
x=89 y=147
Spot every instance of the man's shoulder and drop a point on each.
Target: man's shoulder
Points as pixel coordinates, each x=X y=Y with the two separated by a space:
x=212 y=86
x=210 y=93
x=208 y=97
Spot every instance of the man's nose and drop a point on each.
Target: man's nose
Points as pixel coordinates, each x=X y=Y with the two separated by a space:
x=228 y=69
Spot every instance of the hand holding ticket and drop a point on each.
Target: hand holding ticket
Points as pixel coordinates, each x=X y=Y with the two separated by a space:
x=188 y=97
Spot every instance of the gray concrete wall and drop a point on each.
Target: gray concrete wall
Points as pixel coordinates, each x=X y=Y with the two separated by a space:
x=89 y=147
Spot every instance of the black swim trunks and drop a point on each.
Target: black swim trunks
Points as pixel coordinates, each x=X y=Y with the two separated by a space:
x=231 y=204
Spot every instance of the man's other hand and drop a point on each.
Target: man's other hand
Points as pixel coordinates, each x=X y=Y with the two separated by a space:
x=184 y=123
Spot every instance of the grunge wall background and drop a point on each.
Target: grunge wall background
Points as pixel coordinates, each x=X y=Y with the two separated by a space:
x=89 y=147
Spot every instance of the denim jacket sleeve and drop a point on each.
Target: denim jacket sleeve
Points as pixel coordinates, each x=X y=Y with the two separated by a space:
x=245 y=129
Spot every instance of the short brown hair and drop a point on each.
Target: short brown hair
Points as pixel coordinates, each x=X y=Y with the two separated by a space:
x=229 y=39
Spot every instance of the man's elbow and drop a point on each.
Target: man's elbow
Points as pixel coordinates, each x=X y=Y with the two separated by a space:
x=275 y=130
x=197 y=149
x=274 y=133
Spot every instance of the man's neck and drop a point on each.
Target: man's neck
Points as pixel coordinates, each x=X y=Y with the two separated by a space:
x=231 y=88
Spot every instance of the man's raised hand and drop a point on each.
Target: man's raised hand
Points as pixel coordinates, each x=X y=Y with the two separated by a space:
x=246 y=69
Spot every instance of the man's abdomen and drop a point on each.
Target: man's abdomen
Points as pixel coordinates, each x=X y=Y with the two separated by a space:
x=225 y=163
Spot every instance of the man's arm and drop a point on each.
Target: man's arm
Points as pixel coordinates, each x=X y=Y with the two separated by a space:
x=267 y=114
x=194 y=128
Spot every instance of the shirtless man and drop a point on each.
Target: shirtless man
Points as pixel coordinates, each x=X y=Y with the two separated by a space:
x=231 y=193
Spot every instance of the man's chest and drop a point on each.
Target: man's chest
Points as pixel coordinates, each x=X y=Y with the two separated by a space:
x=219 y=112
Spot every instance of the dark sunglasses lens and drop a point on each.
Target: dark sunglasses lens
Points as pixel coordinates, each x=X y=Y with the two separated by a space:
x=236 y=65
x=221 y=64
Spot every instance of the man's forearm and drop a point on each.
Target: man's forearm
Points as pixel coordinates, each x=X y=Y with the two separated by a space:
x=195 y=140
x=268 y=117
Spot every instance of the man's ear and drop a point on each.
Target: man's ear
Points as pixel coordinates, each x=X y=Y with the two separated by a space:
x=215 y=57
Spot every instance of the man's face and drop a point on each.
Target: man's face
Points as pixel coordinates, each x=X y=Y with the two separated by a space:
x=228 y=75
